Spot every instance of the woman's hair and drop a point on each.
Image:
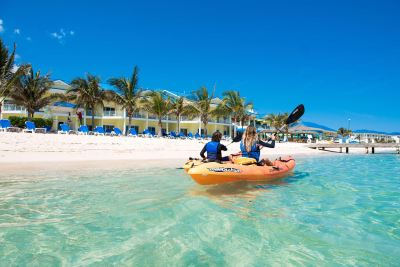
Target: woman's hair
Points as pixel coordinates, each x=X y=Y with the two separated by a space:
x=216 y=137
x=249 y=138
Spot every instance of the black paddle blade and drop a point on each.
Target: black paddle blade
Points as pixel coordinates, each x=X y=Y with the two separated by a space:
x=296 y=114
x=237 y=138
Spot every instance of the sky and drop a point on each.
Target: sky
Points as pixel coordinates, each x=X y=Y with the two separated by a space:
x=339 y=58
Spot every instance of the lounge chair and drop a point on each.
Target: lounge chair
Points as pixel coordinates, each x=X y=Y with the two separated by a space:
x=5 y=126
x=65 y=129
x=182 y=135
x=132 y=132
x=190 y=136
x=116 y=131
x=84 y=130
x=197 y=136
x=146 y=133
x=172 y=134
x=31 y=127
x=99 y=130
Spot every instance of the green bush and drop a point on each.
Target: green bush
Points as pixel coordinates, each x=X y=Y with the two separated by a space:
x=39 y=122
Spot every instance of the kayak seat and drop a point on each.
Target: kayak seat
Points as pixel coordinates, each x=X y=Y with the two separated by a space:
x=244 y=161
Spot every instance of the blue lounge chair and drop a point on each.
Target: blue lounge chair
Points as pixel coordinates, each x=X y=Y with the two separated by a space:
x=182 y=135
x=190 y=136
x=99 y=130
x=31 y=127
x=172 y=134
x=197 y=136
x=116 y=131
x=64 y=129
x=132 y=132
x=5 y=125
x=146 y=133
x=83 y=129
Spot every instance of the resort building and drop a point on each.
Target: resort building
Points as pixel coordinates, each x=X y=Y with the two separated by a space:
x=112 y=115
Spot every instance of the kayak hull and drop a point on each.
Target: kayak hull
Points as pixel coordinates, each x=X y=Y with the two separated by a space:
x=217 y=173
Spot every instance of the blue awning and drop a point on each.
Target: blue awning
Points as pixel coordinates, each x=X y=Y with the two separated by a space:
x=64 y=104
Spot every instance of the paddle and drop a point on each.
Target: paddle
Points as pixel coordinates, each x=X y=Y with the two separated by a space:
x=293 y=117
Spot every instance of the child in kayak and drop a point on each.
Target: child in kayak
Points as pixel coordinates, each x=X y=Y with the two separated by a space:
x=214 y=149
x=250 y=146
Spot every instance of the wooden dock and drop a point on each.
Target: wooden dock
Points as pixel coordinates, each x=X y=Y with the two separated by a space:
x=347 y=147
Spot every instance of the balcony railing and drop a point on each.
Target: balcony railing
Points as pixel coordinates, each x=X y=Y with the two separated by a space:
x=13 y=107
x=110 y=113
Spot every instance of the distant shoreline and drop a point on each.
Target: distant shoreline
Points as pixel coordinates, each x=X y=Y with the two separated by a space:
x=20 y=152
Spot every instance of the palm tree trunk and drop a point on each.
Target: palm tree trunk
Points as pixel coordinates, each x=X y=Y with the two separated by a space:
x=160 y=126
x=129 y=124
x=92 y=118
x=205 y=128
x=234 y=126
x=179 y=121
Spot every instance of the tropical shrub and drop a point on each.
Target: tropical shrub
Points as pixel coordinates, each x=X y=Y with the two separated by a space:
x=39 y=122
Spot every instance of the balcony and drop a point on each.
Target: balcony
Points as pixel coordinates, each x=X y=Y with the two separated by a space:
x=109 y=113
x=13 y=107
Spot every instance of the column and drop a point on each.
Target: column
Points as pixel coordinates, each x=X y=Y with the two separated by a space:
x=199 y=126
x=124 y=118
x=167 y=125
x=84 y=116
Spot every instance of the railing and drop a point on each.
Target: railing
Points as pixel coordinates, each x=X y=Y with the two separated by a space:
x=109 y=113
x=138 y=115
x=13 y=107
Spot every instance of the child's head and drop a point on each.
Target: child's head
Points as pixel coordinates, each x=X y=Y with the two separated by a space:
x=216 y=137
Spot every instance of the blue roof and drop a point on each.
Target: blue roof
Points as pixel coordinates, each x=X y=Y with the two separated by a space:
x=375 y=132
x=64 y=104
x=313 y=125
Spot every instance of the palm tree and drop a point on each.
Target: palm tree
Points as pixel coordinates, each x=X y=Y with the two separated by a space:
x=33 y=92
x=343 y=131
x=87 y=93
x=201 y=106
x=234 y=105
x=179 y=107
x=128 y=94
x=156 y=104
x=276 y=120
x=8 y=75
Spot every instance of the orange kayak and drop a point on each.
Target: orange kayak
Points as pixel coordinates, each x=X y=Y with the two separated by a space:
x=217 y=173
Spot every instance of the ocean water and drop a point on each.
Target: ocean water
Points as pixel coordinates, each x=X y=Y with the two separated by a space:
x=333 y=211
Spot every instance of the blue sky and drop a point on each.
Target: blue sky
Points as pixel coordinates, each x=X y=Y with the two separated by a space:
x=339 y=58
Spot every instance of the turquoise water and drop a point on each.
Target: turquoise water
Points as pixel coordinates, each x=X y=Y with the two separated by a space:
x=333 y=211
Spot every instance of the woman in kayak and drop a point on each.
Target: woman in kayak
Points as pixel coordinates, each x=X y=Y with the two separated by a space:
x=214 y=149
x=250 y=146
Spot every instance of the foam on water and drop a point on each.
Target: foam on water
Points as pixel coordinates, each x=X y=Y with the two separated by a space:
x=331 y=211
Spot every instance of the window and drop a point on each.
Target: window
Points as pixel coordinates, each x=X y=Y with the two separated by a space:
x=89 y=112
x=184 y=131
x=152 y=117
x=152 y=129
x=108 y=128
x=137 y=114
x=8 y=105
x=108 y=111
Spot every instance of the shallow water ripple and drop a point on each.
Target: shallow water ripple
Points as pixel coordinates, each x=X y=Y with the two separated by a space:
x=331 y=211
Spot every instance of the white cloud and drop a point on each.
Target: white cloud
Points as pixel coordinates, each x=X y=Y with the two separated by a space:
x=62 y=34
x=17 y=56
x=1 y=26
x=17 y=31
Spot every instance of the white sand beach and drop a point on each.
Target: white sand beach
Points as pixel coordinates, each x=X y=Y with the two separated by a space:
x=25 y=150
